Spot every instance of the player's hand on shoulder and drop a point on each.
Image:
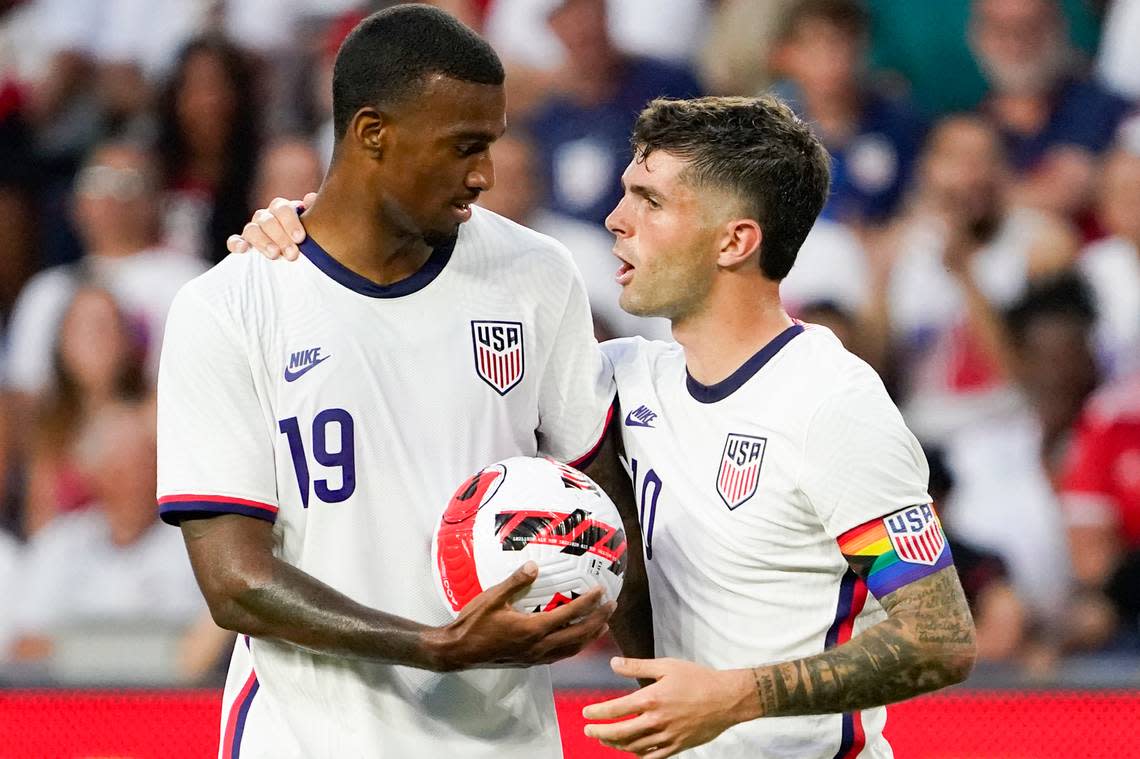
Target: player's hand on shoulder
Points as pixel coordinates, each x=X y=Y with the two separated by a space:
x=490 y=632
x=275 y=231
x=686 y=706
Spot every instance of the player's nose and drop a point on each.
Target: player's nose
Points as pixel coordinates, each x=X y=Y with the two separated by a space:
x=616 y=222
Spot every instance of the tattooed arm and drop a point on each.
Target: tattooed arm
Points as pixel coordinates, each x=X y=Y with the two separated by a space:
x=926 y=643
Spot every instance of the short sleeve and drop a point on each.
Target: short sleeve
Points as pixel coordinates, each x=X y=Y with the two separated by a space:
x=577 y=388
x=860 y=461
x=215 y=453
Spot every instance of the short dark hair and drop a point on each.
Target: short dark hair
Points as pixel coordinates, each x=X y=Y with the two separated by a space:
x=849 y=16
x=388 y=56
x=755 y=148
x=1064 y=294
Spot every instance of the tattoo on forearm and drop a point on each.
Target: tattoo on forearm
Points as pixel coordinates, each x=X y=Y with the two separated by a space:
x=926 y=644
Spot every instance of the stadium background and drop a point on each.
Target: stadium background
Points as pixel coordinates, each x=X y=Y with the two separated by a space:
x=980 y=250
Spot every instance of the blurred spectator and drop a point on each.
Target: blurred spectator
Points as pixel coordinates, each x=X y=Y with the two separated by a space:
x=1004 y=464
x=1100 y=492
x=830 y=314
x=925 y=44
x=734 y=56
x=117 y=212
x=288 y=167
x=112 y=562
x=582 y=129
x=1000 y=617
x=873 y=139
x=516 y=195
x=519 y=32
x=207 y=144
x=9 y=561
x=97 y=361
x=1038 y=97
x=1118 y=61
x=1112 y=265
x=959 y=250
x=17 y=186
x=831 y=266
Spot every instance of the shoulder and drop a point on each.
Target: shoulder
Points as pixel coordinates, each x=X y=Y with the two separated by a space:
x=48 y=286
x=1115 y=403
x=226 y=289
x=508 y=243
x=626 y=352
x=833 y=377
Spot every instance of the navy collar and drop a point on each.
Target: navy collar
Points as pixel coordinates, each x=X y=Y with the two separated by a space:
x=728 y=386
x=353 y=281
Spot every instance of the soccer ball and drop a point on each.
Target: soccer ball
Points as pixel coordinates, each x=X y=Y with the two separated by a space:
x=529 y=509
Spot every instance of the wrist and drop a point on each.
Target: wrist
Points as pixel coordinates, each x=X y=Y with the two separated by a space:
x=437 y=646
x=740 y=695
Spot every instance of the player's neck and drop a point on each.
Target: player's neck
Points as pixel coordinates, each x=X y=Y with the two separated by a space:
x=720 y=338
x=361 y=241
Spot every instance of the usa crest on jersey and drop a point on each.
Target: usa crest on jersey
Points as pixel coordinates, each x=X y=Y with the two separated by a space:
x=499 y=357
x=916 y=535
x=740 y=468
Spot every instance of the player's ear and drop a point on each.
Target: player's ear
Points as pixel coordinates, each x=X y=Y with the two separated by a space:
x=740 y=243
x=368 y=127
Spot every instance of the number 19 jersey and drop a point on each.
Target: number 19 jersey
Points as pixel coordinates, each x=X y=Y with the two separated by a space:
x=345 y=413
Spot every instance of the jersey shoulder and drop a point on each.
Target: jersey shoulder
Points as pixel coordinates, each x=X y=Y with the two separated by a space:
x=631 y=354
x=819 y=360
x=510 y=243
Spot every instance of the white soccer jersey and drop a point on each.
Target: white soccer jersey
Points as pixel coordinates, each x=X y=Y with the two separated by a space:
x=743 y=488
x=346 y=413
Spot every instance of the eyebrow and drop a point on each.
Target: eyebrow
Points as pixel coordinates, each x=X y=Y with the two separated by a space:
x=641 y=190
x=475 y=135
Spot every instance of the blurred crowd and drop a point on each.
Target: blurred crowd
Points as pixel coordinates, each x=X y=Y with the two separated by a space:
x=981 y=249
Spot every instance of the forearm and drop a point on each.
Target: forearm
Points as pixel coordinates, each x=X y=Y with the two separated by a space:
x=911 y=653
x=251 y=591
x=292 y=606
x=632 y=622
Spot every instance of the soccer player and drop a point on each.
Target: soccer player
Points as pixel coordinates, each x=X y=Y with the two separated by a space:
x=796 y=565
x=313 y=419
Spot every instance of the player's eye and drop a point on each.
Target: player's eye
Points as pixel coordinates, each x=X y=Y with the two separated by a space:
x=653 y=203
x=468 y=149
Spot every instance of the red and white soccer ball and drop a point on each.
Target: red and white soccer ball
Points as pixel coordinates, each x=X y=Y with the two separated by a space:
x=529 y=509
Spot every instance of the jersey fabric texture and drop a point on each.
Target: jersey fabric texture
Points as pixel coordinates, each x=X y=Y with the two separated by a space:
x=345 y=413
x=743 y=490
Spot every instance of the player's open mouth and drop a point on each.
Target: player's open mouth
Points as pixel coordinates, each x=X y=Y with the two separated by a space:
x=462 y=210
x=624 y=273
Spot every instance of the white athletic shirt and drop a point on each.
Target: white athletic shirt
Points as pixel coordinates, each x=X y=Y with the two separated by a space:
x=743 y=488
x=347 y=413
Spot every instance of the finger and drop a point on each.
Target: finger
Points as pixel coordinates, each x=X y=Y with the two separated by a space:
x=580 y=607
x=257 y=240
x=625 y=732
x=663 y=753
x=234 y=244
x=571 y=639
x=518 y=581
x=652 y=742
x=272 y=227
x=637 y=669
x=308 y=200
x=615 y=708
x=285 y=211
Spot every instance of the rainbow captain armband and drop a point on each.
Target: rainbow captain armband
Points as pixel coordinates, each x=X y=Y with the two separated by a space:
x=892 y=551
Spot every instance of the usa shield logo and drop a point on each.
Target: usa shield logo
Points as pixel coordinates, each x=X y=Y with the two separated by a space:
x=499 y=357
x=916 y=535
x=740 y=468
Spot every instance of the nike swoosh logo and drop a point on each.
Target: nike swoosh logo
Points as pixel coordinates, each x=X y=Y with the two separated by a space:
x=292 y=376
x=631 y=422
